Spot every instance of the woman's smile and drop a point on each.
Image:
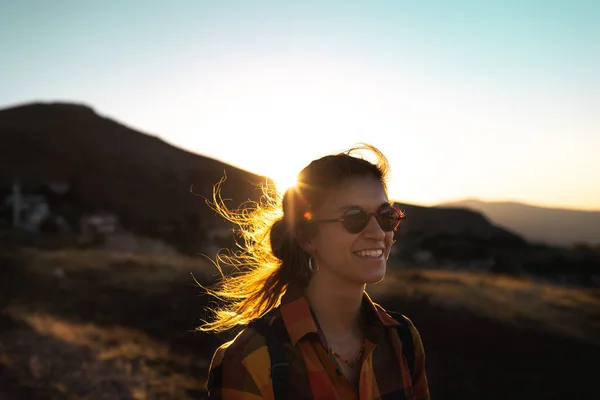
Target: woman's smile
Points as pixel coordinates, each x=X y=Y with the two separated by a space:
x=376 y=254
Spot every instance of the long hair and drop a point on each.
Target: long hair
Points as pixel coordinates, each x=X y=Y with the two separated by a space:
x=270 y=256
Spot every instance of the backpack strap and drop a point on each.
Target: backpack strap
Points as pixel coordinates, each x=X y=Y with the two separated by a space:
x=408 y=346
x=280 y=368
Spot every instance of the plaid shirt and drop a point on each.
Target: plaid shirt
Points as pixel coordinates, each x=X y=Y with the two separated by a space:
x=240 y=369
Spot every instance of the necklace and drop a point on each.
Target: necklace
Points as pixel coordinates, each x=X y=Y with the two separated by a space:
x=329 y=350
x=351 y=363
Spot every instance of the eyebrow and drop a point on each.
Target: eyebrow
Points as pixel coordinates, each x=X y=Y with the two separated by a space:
x=351 y=206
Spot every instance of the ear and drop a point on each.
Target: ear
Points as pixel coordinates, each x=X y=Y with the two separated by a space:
x=306 y=243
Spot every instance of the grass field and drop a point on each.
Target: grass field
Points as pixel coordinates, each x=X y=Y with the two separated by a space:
x=521 y=302
x=92 y=324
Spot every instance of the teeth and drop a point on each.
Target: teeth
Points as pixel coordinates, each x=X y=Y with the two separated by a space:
x=370 y=253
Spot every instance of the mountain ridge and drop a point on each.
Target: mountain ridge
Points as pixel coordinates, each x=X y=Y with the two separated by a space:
x=112 y=167
x=114 y=163
x=145 y=182
x=513 y=202
x=547 y=225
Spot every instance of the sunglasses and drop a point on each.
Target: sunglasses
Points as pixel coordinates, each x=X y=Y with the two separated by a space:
x=355 y=219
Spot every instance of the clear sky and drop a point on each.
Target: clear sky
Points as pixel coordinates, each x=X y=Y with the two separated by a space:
x=498 y=100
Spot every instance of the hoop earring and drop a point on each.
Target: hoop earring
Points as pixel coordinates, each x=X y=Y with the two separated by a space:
x=311 y=267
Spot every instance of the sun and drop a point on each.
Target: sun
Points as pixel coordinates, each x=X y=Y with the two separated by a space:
x=284 y=182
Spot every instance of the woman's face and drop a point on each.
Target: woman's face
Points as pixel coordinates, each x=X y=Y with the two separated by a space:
x=353 y=257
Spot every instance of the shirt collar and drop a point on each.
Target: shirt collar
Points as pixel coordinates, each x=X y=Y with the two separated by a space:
x=299 y=321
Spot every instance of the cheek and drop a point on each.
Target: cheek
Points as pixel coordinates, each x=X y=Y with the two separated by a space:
x=334 y=243
x=389 y=238
x=389 y=242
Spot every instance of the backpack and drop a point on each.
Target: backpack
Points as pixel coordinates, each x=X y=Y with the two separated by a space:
x=280 y=368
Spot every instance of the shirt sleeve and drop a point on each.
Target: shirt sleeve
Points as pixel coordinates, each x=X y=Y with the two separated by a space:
x=231 y=377
x=419 y=377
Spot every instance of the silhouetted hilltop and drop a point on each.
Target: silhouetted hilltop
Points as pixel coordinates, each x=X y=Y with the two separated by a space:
x=428 y=221
x=109 y=166
x=459 y=237
x=552 y=226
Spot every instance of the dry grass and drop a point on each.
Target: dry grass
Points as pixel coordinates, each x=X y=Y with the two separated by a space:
x=87 y=324
x=89 y=356
x=91 y=324
x=134 y=271
x=522 y=301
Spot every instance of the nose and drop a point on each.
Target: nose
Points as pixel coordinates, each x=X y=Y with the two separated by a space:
x=373 y=229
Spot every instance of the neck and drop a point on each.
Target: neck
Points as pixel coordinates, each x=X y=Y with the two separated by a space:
x=336 y=304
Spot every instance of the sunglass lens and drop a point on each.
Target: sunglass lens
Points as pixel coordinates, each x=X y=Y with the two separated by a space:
x=389 y=218
x=355 y=221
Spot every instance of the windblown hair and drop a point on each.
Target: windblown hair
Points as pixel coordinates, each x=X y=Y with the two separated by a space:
x=271 y=257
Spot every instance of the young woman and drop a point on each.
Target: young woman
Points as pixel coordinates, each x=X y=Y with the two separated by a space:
x=311 y=330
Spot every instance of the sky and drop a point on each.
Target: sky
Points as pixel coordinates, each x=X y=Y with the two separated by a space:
x=496 y=100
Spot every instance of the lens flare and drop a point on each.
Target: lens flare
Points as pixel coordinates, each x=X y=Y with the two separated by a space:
x=284 y=183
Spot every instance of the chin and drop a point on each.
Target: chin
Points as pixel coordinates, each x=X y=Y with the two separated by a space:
x=374 y=280
x=373 y=276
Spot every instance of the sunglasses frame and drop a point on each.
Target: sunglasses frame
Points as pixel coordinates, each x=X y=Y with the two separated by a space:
x=375 y=214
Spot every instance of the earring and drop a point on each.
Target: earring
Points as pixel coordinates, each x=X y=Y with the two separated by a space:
x=311 y=267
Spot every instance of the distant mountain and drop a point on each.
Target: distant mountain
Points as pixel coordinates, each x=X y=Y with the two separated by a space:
x=112 y=167
x=552 y=226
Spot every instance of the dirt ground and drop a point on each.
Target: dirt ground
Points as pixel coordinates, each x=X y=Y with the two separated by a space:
x=94 y=325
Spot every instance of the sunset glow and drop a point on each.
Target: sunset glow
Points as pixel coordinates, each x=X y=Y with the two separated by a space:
x=284 y=182
x=462 y=105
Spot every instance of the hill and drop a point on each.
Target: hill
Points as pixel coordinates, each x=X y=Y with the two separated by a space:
x=551 y=226
x=110 y=167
